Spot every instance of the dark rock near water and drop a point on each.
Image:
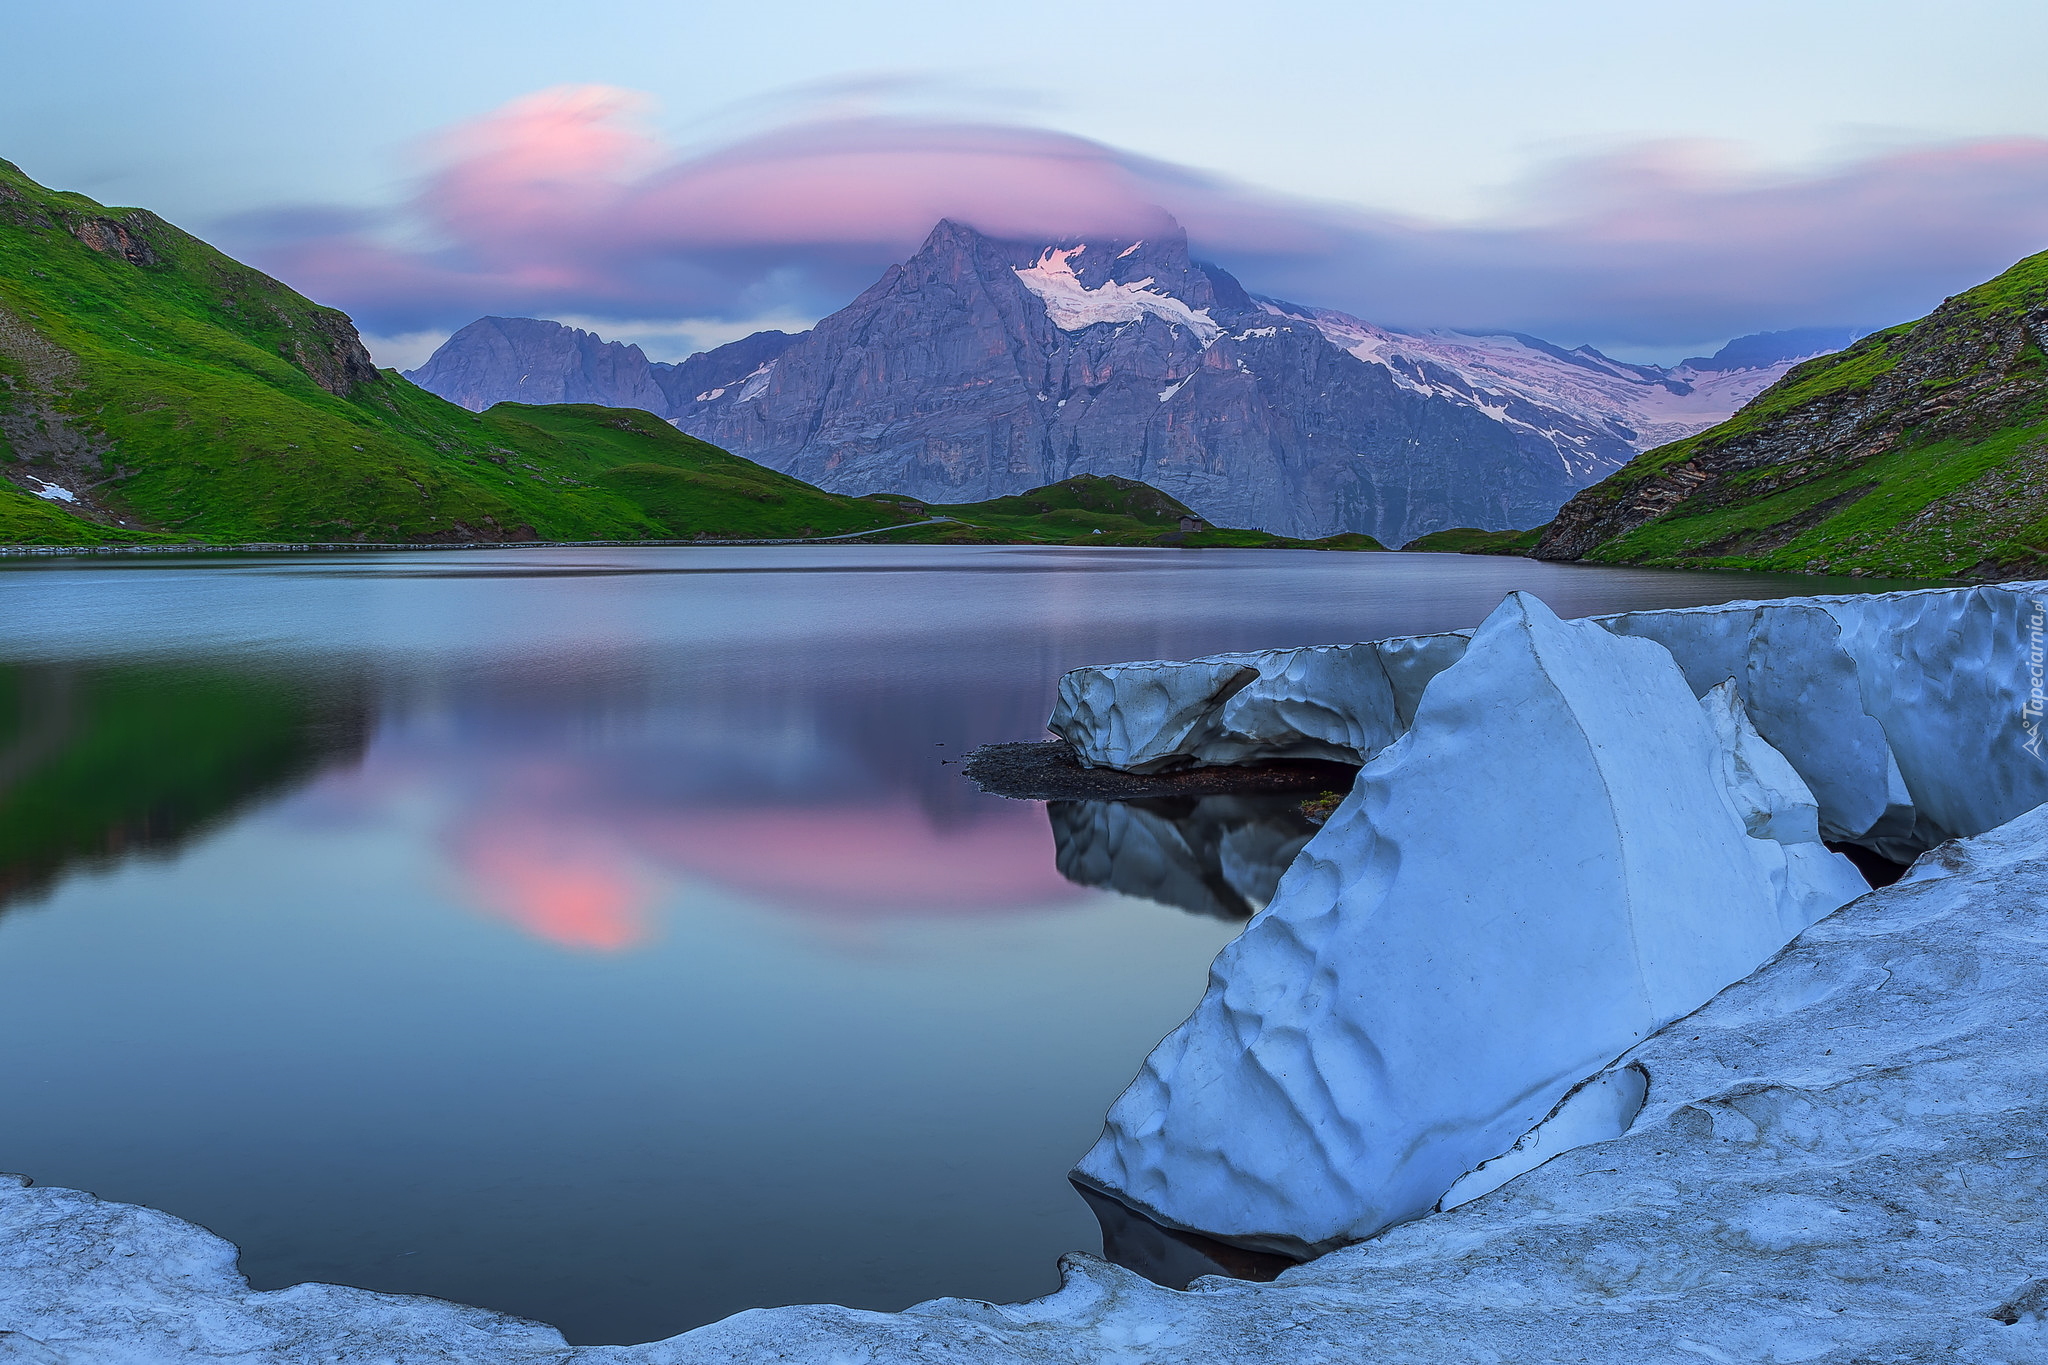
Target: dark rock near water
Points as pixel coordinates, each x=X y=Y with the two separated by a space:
x=1047 y=770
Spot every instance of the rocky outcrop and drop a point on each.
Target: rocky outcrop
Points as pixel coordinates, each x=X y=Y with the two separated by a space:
x=523 y=360
x=1904 y=712
x=1563 y=820
x=1968 y=372
x=113 y=237
x=324 y=343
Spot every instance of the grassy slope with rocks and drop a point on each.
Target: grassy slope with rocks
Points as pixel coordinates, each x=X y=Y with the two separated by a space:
x=1470 y=540
x=1073 y=511
x=181 y=396
x=1920 y=451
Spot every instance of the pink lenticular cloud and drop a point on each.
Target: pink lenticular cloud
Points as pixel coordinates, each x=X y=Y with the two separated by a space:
x=564 y=202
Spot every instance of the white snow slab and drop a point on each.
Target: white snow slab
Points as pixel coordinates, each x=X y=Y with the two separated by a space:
x=1555 y=859
x=1604 y=1107
x=1839 y=1158
x=1902 y=711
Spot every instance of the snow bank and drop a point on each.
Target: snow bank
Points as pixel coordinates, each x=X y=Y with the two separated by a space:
x=1565 y=851
x=1839 y=1158
x=1902 y=711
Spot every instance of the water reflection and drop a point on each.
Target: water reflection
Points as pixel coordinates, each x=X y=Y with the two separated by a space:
x=606 y=937
x=1167 y=1256
x=99 y=764
x=574 y=812
x=1209 y=855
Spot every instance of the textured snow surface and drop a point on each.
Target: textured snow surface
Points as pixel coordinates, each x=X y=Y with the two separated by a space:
x=1072 y=305
x=1564 y=822
x=1602 y=1108
x=1841 y=1159
x=1901 y=711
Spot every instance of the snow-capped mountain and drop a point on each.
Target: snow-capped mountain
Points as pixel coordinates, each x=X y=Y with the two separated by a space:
x=982 y=367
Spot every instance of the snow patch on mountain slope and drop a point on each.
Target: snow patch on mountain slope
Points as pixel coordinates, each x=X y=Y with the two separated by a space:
x=1642 y=405
x=755 y=384
x=1072 y=305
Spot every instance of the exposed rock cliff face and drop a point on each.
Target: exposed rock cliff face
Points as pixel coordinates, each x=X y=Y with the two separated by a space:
x=523 y=360
x=980 y=368
x=1918 y=450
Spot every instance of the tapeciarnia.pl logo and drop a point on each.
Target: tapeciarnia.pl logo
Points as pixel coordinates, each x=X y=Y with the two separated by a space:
x=2037 y=675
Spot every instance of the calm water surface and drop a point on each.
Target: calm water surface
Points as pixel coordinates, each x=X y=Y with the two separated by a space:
x=607 y=937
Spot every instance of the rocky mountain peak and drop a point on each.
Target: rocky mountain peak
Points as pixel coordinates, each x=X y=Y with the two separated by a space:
x=1086 y=264
x=985 y=365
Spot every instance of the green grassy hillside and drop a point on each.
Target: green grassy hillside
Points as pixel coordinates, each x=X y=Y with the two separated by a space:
x=1470 y=540
x=1921 y=451
x=97 y=763
x=1091 y=509
x=178 y=395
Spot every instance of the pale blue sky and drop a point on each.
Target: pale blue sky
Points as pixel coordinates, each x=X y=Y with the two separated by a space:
x=205 y=108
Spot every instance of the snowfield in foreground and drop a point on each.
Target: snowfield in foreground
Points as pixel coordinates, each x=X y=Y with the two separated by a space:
x=1569 y=834
x=1841 y=1159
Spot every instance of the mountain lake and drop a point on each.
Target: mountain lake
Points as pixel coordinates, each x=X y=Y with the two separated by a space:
x=608 y=937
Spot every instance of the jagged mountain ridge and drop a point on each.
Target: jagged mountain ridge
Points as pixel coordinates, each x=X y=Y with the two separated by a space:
x=1580 y=397
x=982 y=367
x=530 y=360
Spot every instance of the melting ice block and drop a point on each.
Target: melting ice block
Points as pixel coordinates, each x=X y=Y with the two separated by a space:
x=1902 y=711
x=1565 y=851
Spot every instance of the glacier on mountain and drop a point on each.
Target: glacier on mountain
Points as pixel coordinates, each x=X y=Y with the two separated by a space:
x=1562 y=821
x=1072 y=305
x=1526 y=382
x=1899 y=710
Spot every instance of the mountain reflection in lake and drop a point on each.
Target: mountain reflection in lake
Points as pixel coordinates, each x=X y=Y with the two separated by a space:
x=607 y=937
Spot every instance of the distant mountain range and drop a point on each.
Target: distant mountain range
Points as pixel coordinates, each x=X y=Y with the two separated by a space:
x=982 y=367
